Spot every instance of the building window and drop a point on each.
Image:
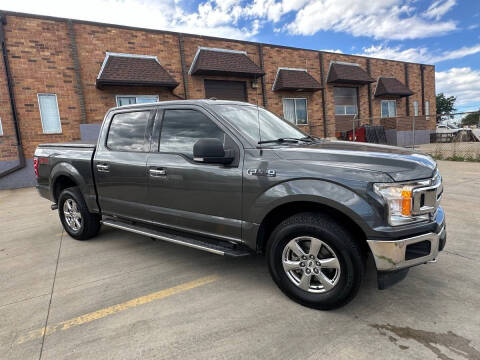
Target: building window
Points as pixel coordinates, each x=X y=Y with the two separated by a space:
x=295 y=111
x=49 y=114
x=1 y=128
x=415 y=108
x=427 y=109
x=135 y=99
x=389 y=108
x=345 y=100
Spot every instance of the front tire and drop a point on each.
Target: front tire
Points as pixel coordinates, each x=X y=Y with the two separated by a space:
x=77 y=221
x=315 y=261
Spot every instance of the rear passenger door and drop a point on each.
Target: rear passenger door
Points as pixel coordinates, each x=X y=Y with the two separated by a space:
x=188 y=195
x=120 y=164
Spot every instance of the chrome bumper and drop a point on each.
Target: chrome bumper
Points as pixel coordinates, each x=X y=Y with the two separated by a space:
x=390 y=255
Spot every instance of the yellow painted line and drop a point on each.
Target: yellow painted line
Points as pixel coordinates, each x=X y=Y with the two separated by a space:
x=99 y=314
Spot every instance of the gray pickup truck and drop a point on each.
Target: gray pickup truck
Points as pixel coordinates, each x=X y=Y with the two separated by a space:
x=233 y=179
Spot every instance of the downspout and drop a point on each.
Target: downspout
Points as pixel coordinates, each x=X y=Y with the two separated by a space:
x=21 y=155
x=422 y=76
x=407 y=99
x=324 y=110
x=184 y=69
x=369 y=89
x=78 y=76
x=262 y=79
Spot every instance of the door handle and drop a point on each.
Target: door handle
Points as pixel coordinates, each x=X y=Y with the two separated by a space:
x=102 y=168
x=157 y=172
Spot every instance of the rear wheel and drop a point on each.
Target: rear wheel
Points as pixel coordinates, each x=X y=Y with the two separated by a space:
x=77 y=221
x=315 y=261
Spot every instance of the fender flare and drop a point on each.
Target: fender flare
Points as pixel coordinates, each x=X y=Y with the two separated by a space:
x=68 y=170
x=320 y=192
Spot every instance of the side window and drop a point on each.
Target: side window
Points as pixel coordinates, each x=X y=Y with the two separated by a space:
x=127 y=131
x=295 y=110
x=181 y=129
x=415 y=108
x=345 y=99
x=389 y=108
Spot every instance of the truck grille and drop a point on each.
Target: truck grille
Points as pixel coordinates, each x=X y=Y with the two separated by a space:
x=426 y=199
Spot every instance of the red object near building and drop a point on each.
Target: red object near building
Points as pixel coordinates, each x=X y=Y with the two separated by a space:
x=359 y=134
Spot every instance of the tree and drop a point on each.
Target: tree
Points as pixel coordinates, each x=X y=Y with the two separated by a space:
x=445 y=105
x=471 y=119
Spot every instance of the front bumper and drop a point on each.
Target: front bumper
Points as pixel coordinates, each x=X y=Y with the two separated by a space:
x=395 y=255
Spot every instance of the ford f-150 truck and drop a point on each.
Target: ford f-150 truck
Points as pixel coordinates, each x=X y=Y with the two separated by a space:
x=234 y=179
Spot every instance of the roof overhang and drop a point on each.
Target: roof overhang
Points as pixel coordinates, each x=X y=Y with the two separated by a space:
x=224 y=62
x=120 y=69
x=347 y=73
x=391 y=87
x=293 y=79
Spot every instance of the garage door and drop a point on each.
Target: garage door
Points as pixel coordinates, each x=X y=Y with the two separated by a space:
x=226 y=90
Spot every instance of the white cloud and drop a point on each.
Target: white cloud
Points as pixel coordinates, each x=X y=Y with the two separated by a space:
x=338 y=51
x=464 y=83
x=439 y=8
x=380 y=19
x=215 y=18
x=420 y=54
x=242 y=19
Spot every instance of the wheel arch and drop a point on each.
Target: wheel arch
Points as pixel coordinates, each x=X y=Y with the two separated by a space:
x=284 y=211
x=61 y=183
x=62 y=176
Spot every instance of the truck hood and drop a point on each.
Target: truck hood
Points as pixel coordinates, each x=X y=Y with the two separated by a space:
x=399 y=163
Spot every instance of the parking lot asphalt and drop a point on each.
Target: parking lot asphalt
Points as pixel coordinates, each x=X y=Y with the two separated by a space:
x=124 y=296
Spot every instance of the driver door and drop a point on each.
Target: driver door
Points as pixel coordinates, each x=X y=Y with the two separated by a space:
x=188 y=195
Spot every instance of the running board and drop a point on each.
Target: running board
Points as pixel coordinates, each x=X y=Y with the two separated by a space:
x=204 y=245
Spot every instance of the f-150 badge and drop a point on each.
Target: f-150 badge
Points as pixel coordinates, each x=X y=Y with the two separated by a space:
x=262 y=172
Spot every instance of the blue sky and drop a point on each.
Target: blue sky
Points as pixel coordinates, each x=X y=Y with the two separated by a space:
x=445 y=33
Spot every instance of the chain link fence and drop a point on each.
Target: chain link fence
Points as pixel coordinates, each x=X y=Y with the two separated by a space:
x=451 y=136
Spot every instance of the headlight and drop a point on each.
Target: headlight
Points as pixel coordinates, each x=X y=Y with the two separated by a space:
x=399 y=202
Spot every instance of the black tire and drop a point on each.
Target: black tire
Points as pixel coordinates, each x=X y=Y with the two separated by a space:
x=90 y=223
x=330 y=232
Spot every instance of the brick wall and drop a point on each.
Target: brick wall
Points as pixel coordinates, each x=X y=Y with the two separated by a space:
x=386 y=68
x=92 y=44
x=343 y=121
x=8 y=142
x=275 y=57
x=41 y=61
x=196 y=88
x=429 y=79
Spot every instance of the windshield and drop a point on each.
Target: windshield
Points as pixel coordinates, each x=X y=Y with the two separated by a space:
x=246 y=119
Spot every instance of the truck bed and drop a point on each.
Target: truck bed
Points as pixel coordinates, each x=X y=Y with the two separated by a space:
x=73 y=144
x=71 y=158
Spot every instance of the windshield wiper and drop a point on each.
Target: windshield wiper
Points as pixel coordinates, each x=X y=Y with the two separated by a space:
x=279 y=140
x=287 y=139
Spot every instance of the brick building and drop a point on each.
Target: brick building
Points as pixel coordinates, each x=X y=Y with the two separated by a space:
x=58 y=77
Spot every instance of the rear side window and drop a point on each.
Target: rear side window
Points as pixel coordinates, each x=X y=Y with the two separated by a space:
x=128 y=131
x=181 y=129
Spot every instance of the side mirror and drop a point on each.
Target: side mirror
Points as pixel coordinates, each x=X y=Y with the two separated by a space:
x=211 y=151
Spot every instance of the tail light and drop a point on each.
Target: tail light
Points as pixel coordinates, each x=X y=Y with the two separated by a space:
x=35 y=166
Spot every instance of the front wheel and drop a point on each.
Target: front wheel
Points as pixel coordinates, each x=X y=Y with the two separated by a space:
x=315 y=261
x=77 y=221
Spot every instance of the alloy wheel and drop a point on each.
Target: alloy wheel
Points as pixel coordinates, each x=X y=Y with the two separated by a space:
x=311 y=264
x=73 y=217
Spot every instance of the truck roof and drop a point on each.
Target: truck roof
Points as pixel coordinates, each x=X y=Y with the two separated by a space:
x=202 y=102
